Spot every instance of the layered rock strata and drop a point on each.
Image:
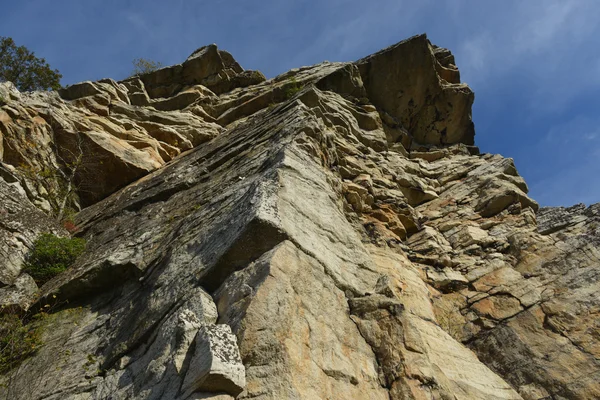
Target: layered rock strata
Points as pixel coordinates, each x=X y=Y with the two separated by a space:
x=332 y=233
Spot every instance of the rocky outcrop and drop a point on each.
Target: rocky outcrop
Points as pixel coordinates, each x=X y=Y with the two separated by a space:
x=208 y=66
x=427 y=98
x=332 y=233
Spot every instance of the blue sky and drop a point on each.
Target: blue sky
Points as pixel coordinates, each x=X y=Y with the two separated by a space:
x=534 y=64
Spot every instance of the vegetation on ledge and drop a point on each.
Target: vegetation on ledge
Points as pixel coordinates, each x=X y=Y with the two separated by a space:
x=52 y=255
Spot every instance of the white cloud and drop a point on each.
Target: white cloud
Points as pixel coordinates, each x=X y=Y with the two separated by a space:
x=352 y=27
x=568 y=163
x=571 y=132
x=542 y=41
x=475 y=55
x=138 y=21
x=538 y=27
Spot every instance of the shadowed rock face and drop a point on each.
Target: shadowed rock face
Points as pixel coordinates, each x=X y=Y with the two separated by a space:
x=331 y=233
x=425 y=98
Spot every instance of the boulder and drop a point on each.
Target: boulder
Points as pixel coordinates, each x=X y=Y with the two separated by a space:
x=216 y=365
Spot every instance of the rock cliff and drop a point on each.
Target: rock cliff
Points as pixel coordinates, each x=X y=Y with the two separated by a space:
x=331 y=233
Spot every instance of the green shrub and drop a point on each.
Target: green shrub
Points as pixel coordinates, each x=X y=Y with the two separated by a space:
x=51 y=255
x=292 y=88
x=17 y=341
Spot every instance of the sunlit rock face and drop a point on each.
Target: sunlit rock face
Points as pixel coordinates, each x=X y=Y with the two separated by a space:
x=331 y=233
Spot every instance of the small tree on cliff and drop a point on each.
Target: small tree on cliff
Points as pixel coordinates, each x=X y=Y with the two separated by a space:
x=21 y=67
x=143 y=66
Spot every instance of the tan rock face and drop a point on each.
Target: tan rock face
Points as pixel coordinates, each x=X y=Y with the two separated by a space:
x=103 y=135
x=404 y=81
x=330 y=233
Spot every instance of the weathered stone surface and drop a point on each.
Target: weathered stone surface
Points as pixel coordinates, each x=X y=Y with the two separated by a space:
x=216 y=365
x=292 y=346
x=552 y=219
x=330 y=233
x=20 y=224
x=17 y=297
x=78 y=90
x=96 y=142
x=403 y=81
x=216 y=69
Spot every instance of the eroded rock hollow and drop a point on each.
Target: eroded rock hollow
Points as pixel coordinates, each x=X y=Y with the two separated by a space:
x=331 y=233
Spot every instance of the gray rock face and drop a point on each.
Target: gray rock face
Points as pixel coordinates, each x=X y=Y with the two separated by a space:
x=17 y=297
x=216 y=365
x=553 y=219
x=20 y=224
x=323 y=238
